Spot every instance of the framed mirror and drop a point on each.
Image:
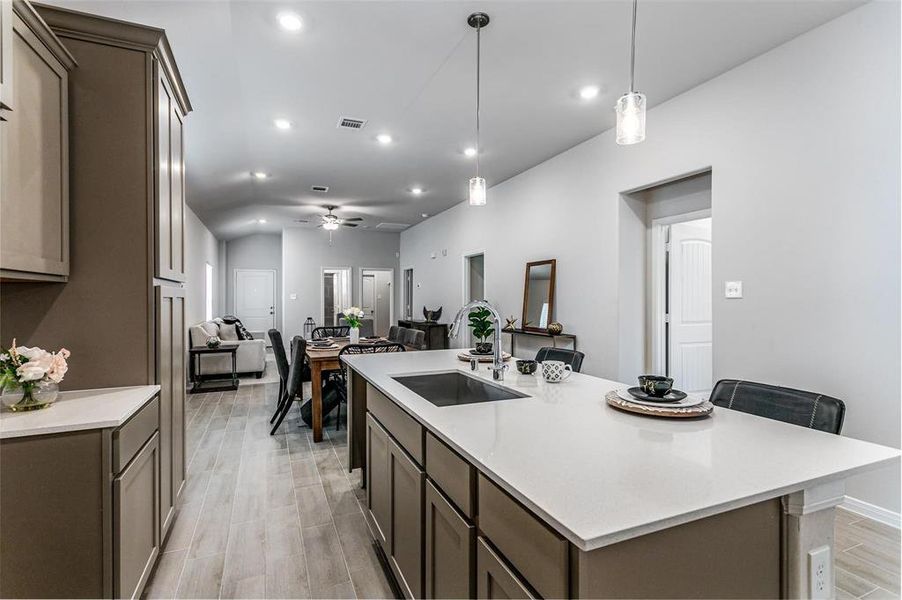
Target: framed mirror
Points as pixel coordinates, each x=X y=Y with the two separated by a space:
x=538 y=295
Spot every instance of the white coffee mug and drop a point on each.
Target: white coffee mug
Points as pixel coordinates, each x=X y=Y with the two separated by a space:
x=555 y=371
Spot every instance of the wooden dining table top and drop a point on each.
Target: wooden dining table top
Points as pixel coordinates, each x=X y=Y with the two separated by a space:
x=332 y=353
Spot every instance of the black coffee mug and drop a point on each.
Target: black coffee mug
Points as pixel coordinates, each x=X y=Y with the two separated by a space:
x=655 y=385
x=527 y=367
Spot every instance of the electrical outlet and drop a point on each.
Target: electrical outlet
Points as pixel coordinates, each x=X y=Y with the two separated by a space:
x=732 y=289
x=820 y=575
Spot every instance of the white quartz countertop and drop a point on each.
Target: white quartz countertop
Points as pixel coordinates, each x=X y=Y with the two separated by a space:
x=77 y=411
x=599 y=475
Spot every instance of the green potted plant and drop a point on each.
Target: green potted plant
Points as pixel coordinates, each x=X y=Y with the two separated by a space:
x=481 y=324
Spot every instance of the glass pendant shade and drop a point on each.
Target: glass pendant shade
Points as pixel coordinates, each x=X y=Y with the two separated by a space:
x=477 y=191
x=330 y=226
x=630 y=118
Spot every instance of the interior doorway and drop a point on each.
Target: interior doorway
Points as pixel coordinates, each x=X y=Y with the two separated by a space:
x=376 y=298
x=335 y=293
x=473 y=280
x=255 y=299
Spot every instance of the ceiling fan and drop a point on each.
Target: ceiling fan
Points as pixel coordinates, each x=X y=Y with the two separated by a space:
x=331 y=222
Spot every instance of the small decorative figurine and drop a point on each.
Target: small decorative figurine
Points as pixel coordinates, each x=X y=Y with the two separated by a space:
x=432 y=316
x=511 y=323
x=555 y=328
x=213 y=342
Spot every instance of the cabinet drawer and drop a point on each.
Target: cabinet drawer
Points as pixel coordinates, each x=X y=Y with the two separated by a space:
x=129 y=438
x=450 y=549
x=398 y=423
x=494 y=579
x=536 y=551
x=454 y=475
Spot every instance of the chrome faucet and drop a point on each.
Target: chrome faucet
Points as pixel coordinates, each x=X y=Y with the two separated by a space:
x=498 y=365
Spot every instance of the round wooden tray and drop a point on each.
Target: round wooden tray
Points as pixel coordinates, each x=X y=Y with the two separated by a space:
x=700 y=410
x=466 y=356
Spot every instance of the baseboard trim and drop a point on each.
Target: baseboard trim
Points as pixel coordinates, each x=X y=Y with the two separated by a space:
x=872 y=511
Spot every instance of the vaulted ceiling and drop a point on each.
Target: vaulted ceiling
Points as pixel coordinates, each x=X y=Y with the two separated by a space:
x=408 y=68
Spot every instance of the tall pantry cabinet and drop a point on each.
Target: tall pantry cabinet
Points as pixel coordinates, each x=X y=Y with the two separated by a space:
x=122 y=310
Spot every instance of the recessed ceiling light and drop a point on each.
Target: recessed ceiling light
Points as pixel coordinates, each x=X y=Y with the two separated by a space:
x=588 y=92
x=425 y=215
x=259 y=175
x=383 y=138
x=282 y=123
x=290 y=22
x=261 y=221
x=416 y=191
x=470 y=152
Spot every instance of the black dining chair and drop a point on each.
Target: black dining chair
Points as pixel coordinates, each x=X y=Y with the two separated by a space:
x=358 y=349
x=295 y=381
x=394 y=333
x=574 y=358
x=807 y=409
x=278 y=350
x=413 y=338
x=321 y=333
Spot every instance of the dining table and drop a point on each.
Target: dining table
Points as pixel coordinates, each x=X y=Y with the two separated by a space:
x=323 y=361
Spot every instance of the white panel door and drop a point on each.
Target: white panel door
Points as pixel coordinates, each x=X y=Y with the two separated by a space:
x=690 y=306
x=368 y=295
x=255 y=299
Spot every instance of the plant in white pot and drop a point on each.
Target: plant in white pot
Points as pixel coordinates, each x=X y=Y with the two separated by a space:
x=30 y=377
x=353 y=315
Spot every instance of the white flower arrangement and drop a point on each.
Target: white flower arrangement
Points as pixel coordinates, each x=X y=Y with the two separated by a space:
x=26 y=367
x=353 y=315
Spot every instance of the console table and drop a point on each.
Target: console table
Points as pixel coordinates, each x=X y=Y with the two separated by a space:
x=436 y=333
x=561 y=340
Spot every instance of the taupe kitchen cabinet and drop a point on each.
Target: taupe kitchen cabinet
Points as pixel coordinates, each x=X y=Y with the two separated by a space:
x=170 y=204
x=378 y=488
x=450 y=547
x=494 y=579
x=80 y=514
x=171 y=328
x=34 y=148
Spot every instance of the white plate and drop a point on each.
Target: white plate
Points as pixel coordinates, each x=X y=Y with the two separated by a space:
x=686 y=402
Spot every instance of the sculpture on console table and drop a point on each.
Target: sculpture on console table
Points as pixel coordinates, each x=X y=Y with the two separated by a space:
x=432 y=316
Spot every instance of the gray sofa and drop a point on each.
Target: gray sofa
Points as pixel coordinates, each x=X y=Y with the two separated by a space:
x=251 y=355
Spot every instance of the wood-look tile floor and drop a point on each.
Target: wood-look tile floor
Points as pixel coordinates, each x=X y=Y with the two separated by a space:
x=265 y=516
x=279 y=517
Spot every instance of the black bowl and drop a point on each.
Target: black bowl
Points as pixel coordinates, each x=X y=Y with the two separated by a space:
x=655 y=385
x=527 y=367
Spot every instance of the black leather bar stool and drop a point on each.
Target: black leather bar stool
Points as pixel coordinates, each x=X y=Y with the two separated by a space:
x=806 y=409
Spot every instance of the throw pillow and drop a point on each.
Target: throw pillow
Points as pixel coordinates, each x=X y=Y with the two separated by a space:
x=199 y=336
x=210 y=327
x=228 y=333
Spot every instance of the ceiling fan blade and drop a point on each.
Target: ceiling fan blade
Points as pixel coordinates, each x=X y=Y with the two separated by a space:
x=354 y=219
x=350 y=224
x=301 y=221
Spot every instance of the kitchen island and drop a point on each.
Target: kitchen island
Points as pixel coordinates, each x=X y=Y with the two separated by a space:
x=557 y=494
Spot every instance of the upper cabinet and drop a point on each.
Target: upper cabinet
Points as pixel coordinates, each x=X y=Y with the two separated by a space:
x=170 y=214
x=34 y=147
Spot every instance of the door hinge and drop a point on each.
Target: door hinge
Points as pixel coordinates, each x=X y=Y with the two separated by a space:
x=667 y=318
x=666 y=246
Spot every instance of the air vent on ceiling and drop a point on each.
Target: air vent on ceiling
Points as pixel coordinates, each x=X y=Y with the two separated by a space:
x=322 y=189
x=392 y=226
x=349 y=123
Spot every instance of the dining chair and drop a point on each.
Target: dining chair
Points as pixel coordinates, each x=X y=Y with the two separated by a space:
x=321 y=333
x=295 y=381
x=807 y=409
x=574 y=358
x=393 y=333
x=418 y=341
x=359 y=349
x=409 y=337
x=278 y=350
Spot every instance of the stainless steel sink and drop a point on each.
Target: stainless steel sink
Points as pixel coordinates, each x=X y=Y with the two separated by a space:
x=452 y=388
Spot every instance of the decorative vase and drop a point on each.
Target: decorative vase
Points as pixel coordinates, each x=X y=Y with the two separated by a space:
x=18 y=398
x=355 y=335
x=555 y=328
x=483 y=348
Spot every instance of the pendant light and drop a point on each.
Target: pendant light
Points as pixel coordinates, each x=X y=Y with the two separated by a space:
x=478 y=20
x=631 y=106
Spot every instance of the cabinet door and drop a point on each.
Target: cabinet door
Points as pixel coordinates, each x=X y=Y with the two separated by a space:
x=170 y=359
x=450 y=549
x=378 y=485
x=170 y=193
x=406 y=537
x=494 y=579
x=136 y=532
x=6 y=54
x=34 y=198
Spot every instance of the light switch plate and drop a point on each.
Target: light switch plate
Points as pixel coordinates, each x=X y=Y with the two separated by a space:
x=732 y=289
x=292 y=296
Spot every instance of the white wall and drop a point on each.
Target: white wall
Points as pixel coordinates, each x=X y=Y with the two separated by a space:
x=256 y=251
x=803 y=143
x=306 y=251
x=201 y=247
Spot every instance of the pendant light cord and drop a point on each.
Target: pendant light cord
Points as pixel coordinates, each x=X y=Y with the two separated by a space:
x=478 y=74
x=632 y=51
